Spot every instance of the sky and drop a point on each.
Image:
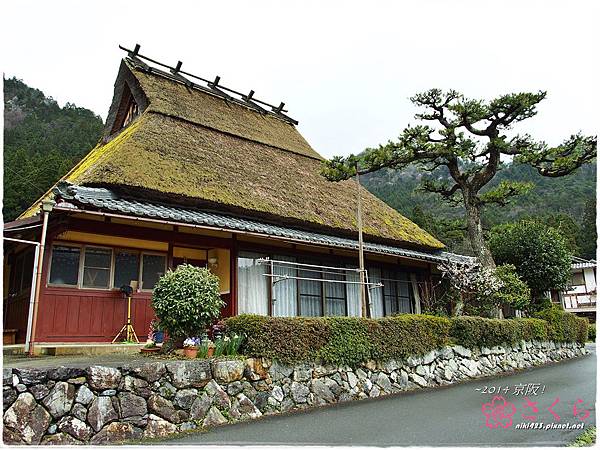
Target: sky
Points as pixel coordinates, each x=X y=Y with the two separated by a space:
x=345 y=69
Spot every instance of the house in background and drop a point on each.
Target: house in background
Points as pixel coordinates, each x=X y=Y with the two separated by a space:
x=580 y=297
x=189 y=172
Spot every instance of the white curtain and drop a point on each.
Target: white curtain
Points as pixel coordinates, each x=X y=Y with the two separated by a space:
x=376 y=294
x=253 y=286
x=416 y=296
x=285 y=291
x=353 y=293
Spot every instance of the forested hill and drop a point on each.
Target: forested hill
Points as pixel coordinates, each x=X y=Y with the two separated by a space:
x=568 y=203
x=42 y=141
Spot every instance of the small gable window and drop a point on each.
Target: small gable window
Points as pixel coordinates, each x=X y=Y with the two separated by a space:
x=131 y=113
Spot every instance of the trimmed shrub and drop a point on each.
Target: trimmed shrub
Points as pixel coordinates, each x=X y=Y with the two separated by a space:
x=186 y=301
x=353 y=340
x=564 y=326
x=407 y=334
x=479 y=332
x=348 y=342
x=592 y=332
x=339 y=340
x=287 y=339
x=534 y=329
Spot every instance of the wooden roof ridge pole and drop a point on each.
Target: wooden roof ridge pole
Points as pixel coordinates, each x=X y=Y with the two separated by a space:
x=46 y=208
x=178 y=74
x=361 y=254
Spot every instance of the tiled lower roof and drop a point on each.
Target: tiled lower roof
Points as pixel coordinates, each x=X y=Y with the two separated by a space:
x=106 y=200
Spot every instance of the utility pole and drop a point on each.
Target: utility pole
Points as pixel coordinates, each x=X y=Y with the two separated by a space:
x=361 y=256
x=46 y=208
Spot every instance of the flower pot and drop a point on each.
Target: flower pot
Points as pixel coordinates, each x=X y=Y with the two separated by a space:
x=159 y=337
x=190 y=352
x=211 y=351
x=150 y=350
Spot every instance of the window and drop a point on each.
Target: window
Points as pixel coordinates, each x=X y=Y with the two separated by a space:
x=284 y=293
x=127 y=267
x=253 y=287
x=93 y=267
x=578 y=279
x=131 y=114
x=310 y=292
x=153 y=267
x=396 y=292
x=21 y=272
x=96 y=267
x=64 y=268
x=335 y=295
x=17 y=274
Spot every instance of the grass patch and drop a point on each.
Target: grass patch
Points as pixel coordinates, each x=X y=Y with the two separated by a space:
x=585 y=439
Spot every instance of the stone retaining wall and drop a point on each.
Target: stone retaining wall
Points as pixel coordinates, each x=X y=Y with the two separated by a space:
x=156 y=399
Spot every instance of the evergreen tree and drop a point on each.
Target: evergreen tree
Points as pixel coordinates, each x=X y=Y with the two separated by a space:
x=42 y=141
x=468 y=138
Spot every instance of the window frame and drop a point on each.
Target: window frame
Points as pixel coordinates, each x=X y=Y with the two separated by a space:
x=141 y=269
x=395 y=298
x=80 y=263
x=110 y=270
x=114 y=264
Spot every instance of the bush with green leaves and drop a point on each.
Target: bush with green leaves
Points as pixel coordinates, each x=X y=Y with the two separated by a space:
x=564 y=326
x=186 y=301
x=592 y=332
x=513 y=290
x=539 y=253
x=353 y=340
x=480 y=332
x=287 y=339
x=403 y=335
x=339 y=340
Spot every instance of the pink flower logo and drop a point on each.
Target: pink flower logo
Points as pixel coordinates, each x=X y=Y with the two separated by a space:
x=498 y=413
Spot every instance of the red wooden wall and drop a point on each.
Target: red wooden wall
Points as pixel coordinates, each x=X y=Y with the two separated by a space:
x=89 y=315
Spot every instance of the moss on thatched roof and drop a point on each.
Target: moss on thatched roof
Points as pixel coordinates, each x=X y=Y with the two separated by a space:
x=177 y=100
x=217 y=164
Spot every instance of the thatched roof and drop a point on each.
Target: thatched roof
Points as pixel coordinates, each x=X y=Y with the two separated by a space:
x=191 y=148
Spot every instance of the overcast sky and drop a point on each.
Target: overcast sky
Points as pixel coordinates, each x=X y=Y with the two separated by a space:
x=344 y=70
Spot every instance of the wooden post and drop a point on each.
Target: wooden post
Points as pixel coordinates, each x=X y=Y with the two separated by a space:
x=361 y=256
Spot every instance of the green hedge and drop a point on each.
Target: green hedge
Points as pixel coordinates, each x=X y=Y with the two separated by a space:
x=563 y=326
x=592 y=332
x=352 y=340
x=479 y=332
x=340 y=340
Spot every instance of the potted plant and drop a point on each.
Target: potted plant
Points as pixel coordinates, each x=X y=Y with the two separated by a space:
x=156 y=334
x=217 y=330
x=190 y=347
x=150 y=347
x=210 y=345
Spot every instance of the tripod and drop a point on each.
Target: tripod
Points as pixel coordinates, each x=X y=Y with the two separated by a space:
x=128 y=328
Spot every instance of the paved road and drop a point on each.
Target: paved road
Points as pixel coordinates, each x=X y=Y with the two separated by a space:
x=447 y=416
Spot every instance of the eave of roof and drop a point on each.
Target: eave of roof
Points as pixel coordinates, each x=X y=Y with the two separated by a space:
x=73 y=197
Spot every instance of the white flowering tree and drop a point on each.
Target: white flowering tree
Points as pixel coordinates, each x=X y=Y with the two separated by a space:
x=476 y=286
x=483 y=290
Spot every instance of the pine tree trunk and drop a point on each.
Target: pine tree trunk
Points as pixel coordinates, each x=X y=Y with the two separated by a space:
x=476 y=237
x=477 y=240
